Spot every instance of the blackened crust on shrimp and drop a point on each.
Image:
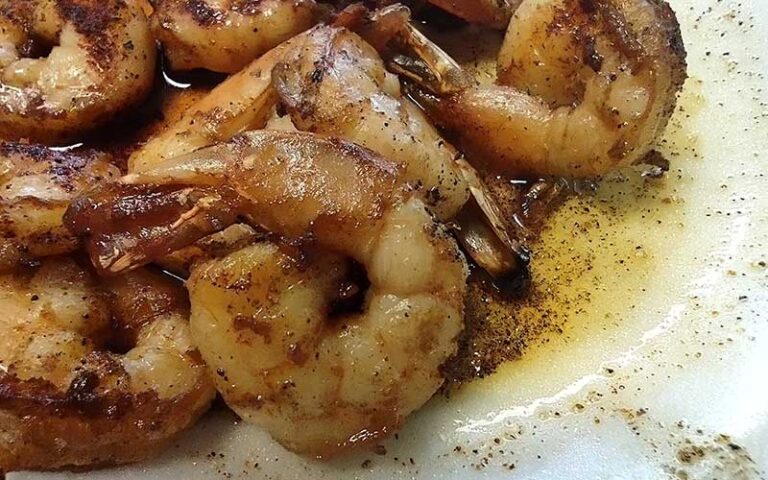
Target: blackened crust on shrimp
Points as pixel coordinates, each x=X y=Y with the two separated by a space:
x=63 y=167
x=18 y=12
x=104 y=46
x=664 y=43
x=94 y=20
x=585 y=17
x=36 y=186
x=84 y=400
x=226 y=35
x=207 y=16
x=37 y=152
x=81 y=399
x=639 y=43
x=202 y=13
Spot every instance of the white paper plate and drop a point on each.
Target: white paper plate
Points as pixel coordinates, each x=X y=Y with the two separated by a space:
x=660 y=371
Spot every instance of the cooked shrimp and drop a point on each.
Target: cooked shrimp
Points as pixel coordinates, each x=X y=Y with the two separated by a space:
x=68 y=401
x=587 y=86
x=36 y=186
x=102 y=62
x=261 y=317
x=336 y=84
x=225 y=36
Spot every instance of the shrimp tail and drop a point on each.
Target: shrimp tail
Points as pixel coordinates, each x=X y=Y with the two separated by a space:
x=406 y=50
x=126 y=226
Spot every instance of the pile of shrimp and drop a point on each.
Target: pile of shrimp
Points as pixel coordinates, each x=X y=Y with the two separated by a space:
x=324 y=205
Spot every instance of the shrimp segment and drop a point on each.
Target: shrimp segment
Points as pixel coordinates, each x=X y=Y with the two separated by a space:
x=102 y=62
x=66 y=400
x=602 y=75
x=225 y=36
x=351 y=379
x=36 y=187
x=336 y=84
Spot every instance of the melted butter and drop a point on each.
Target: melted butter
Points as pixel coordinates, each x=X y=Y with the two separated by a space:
x=592 y=265
x=594 y=258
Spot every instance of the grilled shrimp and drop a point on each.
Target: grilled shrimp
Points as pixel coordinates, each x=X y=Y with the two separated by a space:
x=68 y=401
x=225 y=36
x=261 y=316
x=36 y=186
x=585 y=87
x=336 y=84
x=102 y=62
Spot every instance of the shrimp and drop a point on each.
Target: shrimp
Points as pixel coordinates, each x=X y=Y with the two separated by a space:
x=585 y=87
x=66 y=399
x=260 y=316
x=36 y=186
x=336 y=84
x=225 y=36
x=102 y=62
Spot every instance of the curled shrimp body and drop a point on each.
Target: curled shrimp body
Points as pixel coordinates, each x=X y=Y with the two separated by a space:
x=585 y=87
x=102 y=62
x=262 y=317
x=336 y=84
x=68 y=401
x=36 y=187
x=226 y=36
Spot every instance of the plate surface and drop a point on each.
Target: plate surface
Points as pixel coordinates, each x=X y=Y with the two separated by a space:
x=657 y=292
